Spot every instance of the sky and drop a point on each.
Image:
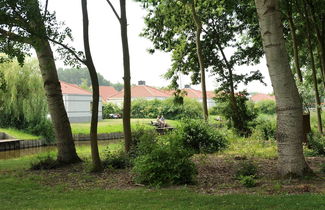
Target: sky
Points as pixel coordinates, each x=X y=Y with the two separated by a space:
x=106 y=48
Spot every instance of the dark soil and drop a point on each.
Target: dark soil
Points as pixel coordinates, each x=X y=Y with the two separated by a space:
x=216 y=174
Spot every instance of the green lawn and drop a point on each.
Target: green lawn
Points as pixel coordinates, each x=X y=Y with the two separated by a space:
x=19 y=134
x=27 y=193
x=112 y=125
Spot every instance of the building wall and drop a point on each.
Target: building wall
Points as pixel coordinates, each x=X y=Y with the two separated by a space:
x=78 y=107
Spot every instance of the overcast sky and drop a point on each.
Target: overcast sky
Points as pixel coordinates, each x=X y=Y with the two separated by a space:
x=106 y=48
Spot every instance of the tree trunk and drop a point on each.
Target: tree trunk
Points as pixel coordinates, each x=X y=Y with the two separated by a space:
x=95 y=87
x=291 y=161
x=314 y=73
x=294 y=41
x=198 y=25
x=127 y=78
x=232 y=89
x=62 y=129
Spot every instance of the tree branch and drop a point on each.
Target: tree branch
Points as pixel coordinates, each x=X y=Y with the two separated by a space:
x=45 y=11
x=69 y=49
x=15 y=37
x=113 y=8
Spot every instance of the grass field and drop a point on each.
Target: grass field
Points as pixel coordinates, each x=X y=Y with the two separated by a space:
x=113 y=125
x=19 y=134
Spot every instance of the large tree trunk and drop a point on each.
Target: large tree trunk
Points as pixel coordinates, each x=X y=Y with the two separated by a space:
x=66 y=148
x=95 y=87
x=291 y=161
x=198 y=25
x=127 y=78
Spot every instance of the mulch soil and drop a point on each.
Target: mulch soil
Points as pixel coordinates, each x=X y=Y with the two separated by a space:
x=216 y=175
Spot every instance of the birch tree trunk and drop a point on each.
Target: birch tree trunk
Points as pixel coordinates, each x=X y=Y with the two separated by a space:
x=291 y=161
x=62 y=129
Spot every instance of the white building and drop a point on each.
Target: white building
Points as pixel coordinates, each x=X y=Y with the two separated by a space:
x=78 y=103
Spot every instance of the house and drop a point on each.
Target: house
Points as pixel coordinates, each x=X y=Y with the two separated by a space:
x=142 y=91
x=146 y=92
x=197 y=94
x=261 y=97
x=106 y=91
x=78 y=103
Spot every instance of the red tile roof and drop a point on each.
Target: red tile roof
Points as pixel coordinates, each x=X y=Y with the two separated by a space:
x=262 y=97
x=106 y=91
x=143 y=91
x=191 y=93
x=68 y=88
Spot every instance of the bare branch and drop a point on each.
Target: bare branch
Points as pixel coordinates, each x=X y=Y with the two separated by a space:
x=45 y=11
x=69 y=49
x=113 y=8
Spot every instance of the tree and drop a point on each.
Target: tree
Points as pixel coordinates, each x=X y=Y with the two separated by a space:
x=22 y=25
x=291 y=160
x=127 y=74
x=97 y=166
x=171 y=28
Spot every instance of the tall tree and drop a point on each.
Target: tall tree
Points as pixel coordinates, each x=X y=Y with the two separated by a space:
x=127 y=74
x=97 y=166
x=22 y=25
x=291 y=160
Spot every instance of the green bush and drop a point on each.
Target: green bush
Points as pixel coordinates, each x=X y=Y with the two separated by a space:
x=199 y=137
x=119 y=160
x=43 y=128
x=239 y=114
x=264 y=128
x=265 y=107
x=44 y=163
x=316 y=142
x=322 y=167
x=165 y=164
x=248 y=168
x=143 y=141
x=110 y=108
x=151 y=109
x=247 y=181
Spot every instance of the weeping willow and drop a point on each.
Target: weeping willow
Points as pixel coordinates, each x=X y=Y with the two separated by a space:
x=22 y=98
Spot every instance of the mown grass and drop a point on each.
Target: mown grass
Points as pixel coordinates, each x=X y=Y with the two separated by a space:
x=18 y=134
x=113 y=125
x=27 y=193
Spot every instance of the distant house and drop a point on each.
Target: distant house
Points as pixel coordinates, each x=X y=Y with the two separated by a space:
x=141 y=91
x=106 y=91
x=262 y=97
x=78 y=103
x=197 y=94
x=146 y=92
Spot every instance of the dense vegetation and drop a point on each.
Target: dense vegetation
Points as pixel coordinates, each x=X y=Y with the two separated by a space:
x=22 y=102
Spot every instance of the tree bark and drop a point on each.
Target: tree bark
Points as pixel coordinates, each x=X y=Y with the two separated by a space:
x=62 y=129
x=127 y=78
x=291 y=161
x=97 y=166
x=198 y=25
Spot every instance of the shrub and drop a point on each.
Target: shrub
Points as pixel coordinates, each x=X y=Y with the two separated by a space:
x=118 y=160
x=265 y=107
x=110 y=108
x=238 y=117
x=151 y=109
x=248 y=168
x=322 y=167
x=265 y=128
x=43 y=128
x=316 y=142
x=143 y=141
x=247 y=181
x=44 y=163
x=198 y=136
x=165 y=164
